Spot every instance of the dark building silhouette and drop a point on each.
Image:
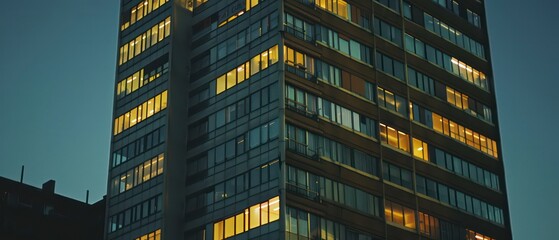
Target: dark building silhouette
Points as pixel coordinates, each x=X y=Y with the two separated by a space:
x=30 y=213
x=305 y=119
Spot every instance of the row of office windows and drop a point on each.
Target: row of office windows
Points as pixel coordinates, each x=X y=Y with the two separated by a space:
x=135 y=213
x=313 y=186
x=451 y=34
x=246 y=70
x=439 y=229
x=450 y=162
x=243 y=182
x=141 y=112
x=300 y=224
x=429 y=226
x=306 y=66
x=223 y=16
x=456 y=131
x=331 y=112
x=142 y=77
x=344 y=10
x=313 y=145
x=239 y=109
x=231 y=113
x=251 y=139
x=251 y=178
x=155 y=235
x=460 y=100
x=459 y=200
x=140 y=174
x=144 y=41
x=465 y=169
x=252 y=217
x=453 y=6
x=243 y=37
x=446 y=62
x=339 y=78
x=442 y=159
x=443 y=30
x=138 y=146
x=136 y=13
x=226 y=15
x=303 y=225
x=344 y=44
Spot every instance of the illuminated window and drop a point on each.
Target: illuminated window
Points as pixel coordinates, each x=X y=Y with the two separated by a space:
x=245 y=70
x=145 y=40
x=420 y=149
x=394 y=138
x=138 y=175
x=132 y=118
x=400 y=215
x=219 y=229
x=252 y=217
x=156 y=235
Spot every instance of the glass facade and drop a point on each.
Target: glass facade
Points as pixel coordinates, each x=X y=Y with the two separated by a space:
x=305 y=119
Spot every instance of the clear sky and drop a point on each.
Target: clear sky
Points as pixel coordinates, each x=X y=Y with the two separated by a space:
x=57 y=65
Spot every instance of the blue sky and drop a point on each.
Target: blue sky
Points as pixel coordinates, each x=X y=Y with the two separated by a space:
x=57 y=64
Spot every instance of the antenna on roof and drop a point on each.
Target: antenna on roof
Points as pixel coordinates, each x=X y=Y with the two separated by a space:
x=22 y=171
x=87 y=196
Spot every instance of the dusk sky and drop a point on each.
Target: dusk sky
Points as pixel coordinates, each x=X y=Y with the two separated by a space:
x=57 y=68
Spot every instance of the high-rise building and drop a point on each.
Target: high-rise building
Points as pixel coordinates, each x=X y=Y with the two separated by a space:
x=305 y=119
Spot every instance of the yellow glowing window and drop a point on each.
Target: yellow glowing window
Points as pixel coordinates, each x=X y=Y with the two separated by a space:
x=264 y=56
x=157 y=103
x=274 y=54
x=167 y=27
x=392 y=137
x=274 y=209
x=143 y=41
x=239 y=223
x=131 y=118
x=219 y=230
x=164 y=100
x=255 y=65
x=420 y=149
x=160 y=164
x=404 y=141
x=409 y=218
x=231 y=79
x=264 y=213
x=220 y=84
x=229 y=227
x=254 y=216
x=342 y=9
x=241 y=73
x=147 y=170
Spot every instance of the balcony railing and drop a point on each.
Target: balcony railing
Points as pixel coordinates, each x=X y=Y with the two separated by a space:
x=302 y=149
x=303 y=191
x=299 y=33
x=300 y=71
x=302 y=109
